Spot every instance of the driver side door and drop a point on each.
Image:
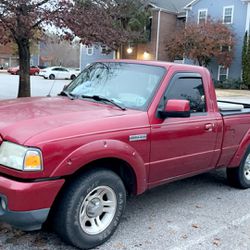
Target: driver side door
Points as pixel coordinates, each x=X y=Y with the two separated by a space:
x=184 y=145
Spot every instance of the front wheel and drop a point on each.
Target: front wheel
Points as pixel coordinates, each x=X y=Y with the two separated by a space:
x=240 y=176
x=90 y=210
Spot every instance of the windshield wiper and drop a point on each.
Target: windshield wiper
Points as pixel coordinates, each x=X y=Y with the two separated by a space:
x=69 y=95
x=104 y=99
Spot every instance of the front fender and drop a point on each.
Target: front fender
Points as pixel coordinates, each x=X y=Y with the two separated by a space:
x=235 y=162
x=104 y=149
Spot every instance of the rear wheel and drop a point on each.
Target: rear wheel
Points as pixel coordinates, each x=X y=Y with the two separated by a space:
x=90 y=209
x=52 y=77
x=240 y=176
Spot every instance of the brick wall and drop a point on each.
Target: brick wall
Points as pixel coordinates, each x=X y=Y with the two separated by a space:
x=167 y=28
x=168 y=24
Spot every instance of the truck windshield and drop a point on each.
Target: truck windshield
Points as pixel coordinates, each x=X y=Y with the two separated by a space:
x=126 y=84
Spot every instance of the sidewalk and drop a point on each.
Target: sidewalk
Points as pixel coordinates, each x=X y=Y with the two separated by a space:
x=232 y=93
x=240 y=96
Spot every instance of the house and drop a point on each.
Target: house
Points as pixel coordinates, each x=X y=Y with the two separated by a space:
x=167 y=16
x=9 y=57
x=90 y=54
x=235 y=14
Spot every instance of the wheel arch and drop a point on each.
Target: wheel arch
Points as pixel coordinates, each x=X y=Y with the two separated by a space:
x=118 y=166
x=109 y=154
x=241 y=151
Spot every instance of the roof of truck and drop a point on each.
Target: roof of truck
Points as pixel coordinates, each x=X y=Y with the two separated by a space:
x=154 y=63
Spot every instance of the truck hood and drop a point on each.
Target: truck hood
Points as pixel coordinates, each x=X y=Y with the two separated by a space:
x=24 y=118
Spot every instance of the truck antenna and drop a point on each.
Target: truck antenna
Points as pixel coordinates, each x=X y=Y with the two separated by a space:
x=52 y=86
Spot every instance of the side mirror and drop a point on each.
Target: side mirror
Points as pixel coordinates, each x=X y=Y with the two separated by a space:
x=176 y=108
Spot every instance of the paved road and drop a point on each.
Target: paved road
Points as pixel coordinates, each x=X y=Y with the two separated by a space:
x=201 y=212
x=39 y=86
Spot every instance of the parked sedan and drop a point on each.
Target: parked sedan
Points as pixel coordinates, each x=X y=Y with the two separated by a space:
x=59 y=73
x=33 y=70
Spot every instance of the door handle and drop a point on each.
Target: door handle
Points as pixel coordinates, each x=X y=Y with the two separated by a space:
x=209 y=127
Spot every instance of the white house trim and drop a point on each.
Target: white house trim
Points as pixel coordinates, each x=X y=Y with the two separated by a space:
x=89 y=50
x=219 y=72
x=199 y=11
x=81 y=55
x=191 y=4
x=248 y=18
x=158 y=35
x=224 y=12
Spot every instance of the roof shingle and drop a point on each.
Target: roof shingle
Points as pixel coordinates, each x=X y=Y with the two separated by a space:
x=176 y=6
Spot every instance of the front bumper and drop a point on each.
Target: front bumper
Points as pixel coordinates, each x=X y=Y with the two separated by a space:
x=26 y=221
x=26 y=204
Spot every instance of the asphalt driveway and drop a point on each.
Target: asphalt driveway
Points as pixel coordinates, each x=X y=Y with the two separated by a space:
x=201 y=212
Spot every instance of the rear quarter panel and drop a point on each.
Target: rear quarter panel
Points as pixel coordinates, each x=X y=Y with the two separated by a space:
x=236 y=139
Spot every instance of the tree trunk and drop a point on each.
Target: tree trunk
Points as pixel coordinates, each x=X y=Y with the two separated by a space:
x=24 y=72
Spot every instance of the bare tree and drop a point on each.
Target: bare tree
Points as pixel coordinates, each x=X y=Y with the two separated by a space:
x=60 y=52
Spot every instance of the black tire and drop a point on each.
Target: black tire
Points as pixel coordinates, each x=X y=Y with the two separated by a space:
x=66 y=221
x=52 y=77
x=72 y=77
x=240 y=177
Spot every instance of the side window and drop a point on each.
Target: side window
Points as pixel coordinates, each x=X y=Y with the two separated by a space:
x=188 y=88
x=63 y=69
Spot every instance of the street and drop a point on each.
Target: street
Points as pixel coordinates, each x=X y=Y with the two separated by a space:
x=201 y=212
x=39 y=86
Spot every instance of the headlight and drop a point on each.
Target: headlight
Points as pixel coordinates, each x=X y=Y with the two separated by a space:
x=20 y=157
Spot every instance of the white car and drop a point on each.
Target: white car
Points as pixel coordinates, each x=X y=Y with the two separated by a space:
x=58 y=72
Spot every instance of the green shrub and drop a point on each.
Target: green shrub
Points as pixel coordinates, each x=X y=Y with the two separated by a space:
x=229 y=84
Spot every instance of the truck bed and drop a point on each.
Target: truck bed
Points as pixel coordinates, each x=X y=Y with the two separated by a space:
x=227 y=108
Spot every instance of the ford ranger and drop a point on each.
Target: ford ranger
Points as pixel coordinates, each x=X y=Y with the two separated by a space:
x=118 y=129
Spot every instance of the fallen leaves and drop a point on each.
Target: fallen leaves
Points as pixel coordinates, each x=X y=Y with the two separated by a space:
x=195 y=226
x=216 y=242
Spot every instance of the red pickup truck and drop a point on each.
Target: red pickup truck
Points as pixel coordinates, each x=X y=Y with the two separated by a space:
x=120 y=128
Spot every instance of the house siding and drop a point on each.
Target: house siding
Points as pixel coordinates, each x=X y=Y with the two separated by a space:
x=86 y=59
x=168 y=24
x=215 y=11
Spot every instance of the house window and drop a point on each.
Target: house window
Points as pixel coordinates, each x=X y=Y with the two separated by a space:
x=225 y=48
x=228 y=12
x=223 y=73
x=90 y=50
x=148 y=28
x=202 y=16
x=105 y=49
